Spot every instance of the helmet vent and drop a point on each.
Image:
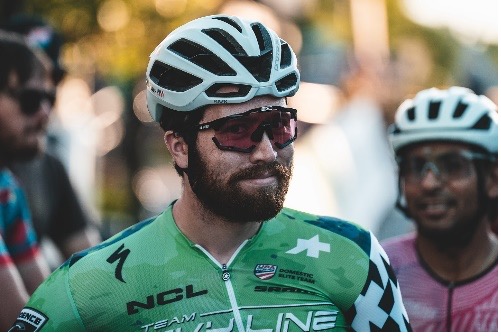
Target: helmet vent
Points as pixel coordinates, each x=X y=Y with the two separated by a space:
x=202 y=57
x=225 y=40
x=212 y=92
x=458 y=112
x=287 y=82
x=263 y=37
x=258 y=66
x=171 y=78
x=483 y=123
x=229 y=21
x=433 y=110
x=411 y=113
x=286 y=56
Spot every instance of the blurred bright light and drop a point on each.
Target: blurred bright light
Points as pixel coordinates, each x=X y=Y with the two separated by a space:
x=316 y=103
x=252 y=11
x=155 y=188
x=113 y=15
x=108 y=100
x=140 y=107
x=73 y=102
x=108 y=106
x=170 y=8
x=110 y=138
x=292 y=8
x=370 y=40
x=474 y=20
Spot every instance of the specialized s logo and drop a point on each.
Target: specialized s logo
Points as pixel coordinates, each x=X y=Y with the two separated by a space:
x=265 y=272
x=121 y=254
x=29 y=320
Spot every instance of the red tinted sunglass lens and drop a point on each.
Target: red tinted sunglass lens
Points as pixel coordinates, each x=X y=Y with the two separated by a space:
x=238 y=133
x=283 y=128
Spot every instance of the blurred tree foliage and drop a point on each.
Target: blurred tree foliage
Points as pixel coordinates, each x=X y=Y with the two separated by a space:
x=114 y=37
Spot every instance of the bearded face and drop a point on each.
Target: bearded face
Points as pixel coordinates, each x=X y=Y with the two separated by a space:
x=227 y=196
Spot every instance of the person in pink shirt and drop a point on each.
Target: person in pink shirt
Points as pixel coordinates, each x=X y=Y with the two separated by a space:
x=446 y=144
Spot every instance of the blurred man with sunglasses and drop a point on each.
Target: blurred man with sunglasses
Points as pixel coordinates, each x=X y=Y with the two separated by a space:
x=59 y=216
x=226 y=256
x=446 y=144
x=26 y=97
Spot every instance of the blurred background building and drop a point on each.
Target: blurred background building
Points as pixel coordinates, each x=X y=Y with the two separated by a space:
x=358 y=58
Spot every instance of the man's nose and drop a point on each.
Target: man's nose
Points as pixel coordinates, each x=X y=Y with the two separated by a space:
x=431 y=175
x=44 y=110
x=45 y=107
x=264 y=151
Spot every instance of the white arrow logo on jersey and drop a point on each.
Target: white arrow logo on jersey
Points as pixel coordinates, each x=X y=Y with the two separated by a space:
x=313 y=246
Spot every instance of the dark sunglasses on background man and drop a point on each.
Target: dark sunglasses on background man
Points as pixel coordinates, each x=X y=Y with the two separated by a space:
x=30 y=99
x=242 y=131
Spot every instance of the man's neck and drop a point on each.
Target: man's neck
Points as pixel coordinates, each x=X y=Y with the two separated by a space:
x=460 y=263
x=221 y=238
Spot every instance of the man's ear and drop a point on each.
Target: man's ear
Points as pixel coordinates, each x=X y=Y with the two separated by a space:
x=492 y=180
x=177 y=147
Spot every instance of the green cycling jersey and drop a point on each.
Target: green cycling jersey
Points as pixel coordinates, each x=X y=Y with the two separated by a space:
x=298 y=273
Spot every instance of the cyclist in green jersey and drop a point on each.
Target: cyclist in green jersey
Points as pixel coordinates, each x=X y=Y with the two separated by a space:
x=226 y=256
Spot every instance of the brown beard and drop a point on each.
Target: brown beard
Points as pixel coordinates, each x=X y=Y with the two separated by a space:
x=458 y=236
x=10 y=154
x=229 y=201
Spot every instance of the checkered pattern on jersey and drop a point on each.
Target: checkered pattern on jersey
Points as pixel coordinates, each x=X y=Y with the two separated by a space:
x=379 y=306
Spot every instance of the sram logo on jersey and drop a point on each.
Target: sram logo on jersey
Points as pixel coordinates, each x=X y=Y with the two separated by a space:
x=282 y=289
x=265 y=272
x=163 y=298
x=29 y=320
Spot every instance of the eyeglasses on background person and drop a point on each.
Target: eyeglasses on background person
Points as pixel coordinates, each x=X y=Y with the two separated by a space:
x=450 y=166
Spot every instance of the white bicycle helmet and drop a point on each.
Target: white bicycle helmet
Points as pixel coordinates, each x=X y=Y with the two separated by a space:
x=456 y=114
x=188 y=67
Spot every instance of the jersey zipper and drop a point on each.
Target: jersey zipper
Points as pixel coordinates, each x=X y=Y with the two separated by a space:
x=450 y=295
x=233 y=299
x=226 y=277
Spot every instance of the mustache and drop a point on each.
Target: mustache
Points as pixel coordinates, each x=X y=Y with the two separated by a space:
x=274 y=168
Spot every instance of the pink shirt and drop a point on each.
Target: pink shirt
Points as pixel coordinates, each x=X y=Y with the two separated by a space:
x=432 y=303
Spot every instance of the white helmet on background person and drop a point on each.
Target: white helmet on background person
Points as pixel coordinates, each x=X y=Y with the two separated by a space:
x=191 y=64
x=453 y=115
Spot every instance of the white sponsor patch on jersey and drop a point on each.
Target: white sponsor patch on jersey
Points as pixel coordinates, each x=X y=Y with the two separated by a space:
x=29 y=320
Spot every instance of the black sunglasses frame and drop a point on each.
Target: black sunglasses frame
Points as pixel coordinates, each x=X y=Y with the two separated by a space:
x=30 y=99
x=217 y=123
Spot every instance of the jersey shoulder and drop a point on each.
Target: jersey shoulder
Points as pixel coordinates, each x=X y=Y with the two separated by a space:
x=335 y=226
x=131 y=235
